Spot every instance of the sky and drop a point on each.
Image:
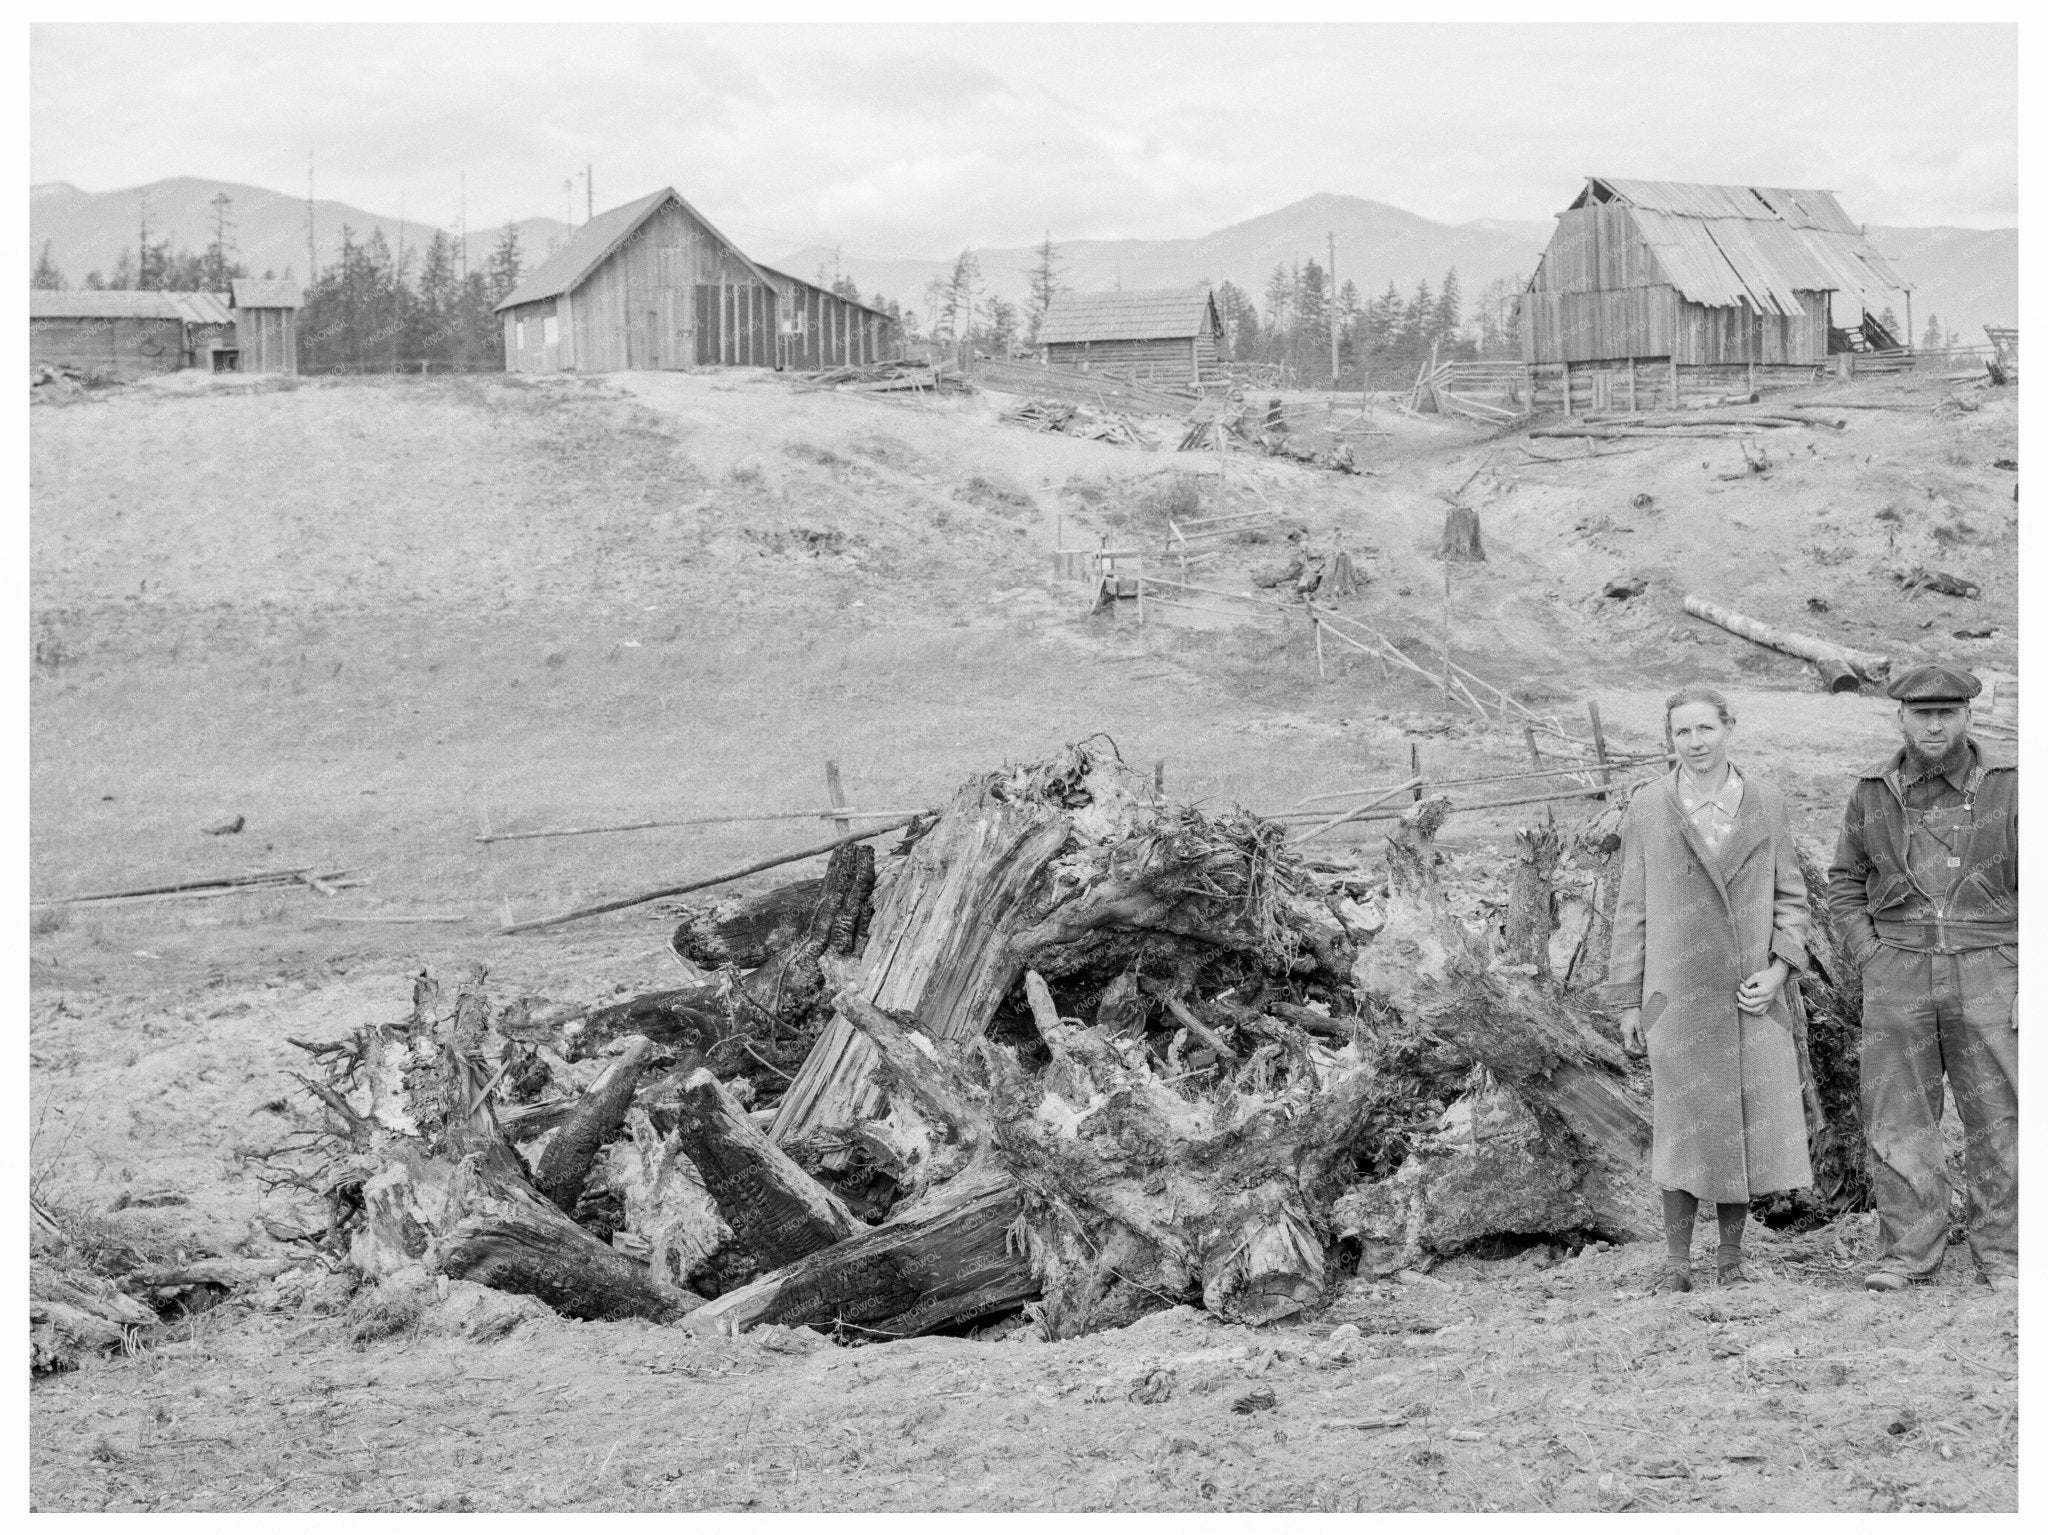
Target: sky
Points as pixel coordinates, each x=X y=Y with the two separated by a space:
x=917 y=140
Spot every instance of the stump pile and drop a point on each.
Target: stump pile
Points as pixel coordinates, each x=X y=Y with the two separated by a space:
x=1066 y=1048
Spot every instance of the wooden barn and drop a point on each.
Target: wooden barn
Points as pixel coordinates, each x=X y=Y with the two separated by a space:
x=652 y=284
x=266 y=325
x=1653 y=290
x=126 y=334
x=1152 y=335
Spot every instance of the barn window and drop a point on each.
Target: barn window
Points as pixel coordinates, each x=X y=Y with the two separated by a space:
x=550 y=331
x=519 y=334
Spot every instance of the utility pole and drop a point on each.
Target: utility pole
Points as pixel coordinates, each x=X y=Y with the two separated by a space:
x=1333 y=309
x=312 y=248
x=589 y=197
x=142 y=255
x=462 y=218
x=569 y=202
x=222 y=229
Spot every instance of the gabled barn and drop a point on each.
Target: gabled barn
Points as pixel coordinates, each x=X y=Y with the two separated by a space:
x=652 y=284
x=266 y=325
x=127 y=334
x=1148 y=335
x=1652 y=289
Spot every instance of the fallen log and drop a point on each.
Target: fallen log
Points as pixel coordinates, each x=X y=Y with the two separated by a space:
x=1865 y=664
x=777 y=1213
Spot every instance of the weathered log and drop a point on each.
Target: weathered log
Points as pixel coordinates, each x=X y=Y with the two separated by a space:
x=1837 y=676
x=944 y=1259
x=1870 y=667
x=742 y=932
x=566 y=1161
x=1532 y=898
x=777 y=1212
x=424 y=1176
x=1579 y=1121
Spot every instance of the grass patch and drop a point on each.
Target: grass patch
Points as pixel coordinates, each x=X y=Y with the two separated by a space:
x=811 y=453
x=385 y=1311
x=48 y=919
x=996 y=495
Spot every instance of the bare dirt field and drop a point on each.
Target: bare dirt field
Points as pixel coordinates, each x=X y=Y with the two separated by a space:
x=370 y=616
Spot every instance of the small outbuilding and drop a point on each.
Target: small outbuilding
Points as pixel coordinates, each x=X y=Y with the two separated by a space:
x=652 y=284
x=266 y=324
x=1650 y=290
x=1147 y=335
x=129 y=334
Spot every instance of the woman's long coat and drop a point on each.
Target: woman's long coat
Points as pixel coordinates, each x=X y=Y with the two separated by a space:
x=1689 y=927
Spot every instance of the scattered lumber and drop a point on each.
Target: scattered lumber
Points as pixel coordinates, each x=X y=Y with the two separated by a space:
x=225 y=884
x=1865 y=664
x=1092 y=1051
x=1080 y=421
x=1920 y=578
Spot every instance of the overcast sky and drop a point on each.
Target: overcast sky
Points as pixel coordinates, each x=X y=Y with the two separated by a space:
x=917 y=140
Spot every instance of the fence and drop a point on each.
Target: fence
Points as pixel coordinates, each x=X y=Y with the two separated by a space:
x=420 y=365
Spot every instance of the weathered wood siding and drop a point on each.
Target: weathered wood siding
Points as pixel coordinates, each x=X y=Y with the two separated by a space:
x=268 y=340
x=834 y=332
x=1599 y=295
x=671 y=295
x=1594 y=249
x=121 y=347
x=1738 y=334
x=1168 y=360
x=527 y=347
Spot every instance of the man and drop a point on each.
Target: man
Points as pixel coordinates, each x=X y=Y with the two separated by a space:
x=1925 y=890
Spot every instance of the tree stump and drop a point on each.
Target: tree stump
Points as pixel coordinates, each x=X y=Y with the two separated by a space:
x=1460 y=541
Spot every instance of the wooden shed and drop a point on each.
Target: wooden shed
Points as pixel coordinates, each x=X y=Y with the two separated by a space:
x=1650 y=290
x=1147 y=335
x=127 y=334
x=653 y=284
x=266 y=325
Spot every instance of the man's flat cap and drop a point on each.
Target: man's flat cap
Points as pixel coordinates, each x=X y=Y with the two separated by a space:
x=1935 y=685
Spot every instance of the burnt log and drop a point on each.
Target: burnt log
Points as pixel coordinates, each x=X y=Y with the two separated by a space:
x=777 y=1212
x=566 y=1162
x=742 y=932
x=946 y=1259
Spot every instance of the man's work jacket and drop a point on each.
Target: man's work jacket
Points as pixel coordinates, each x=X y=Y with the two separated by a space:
x=1872 y=889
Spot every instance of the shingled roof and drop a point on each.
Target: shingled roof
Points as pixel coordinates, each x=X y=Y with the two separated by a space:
x=1140 y=314
x=587 y=248
x=1722 y=245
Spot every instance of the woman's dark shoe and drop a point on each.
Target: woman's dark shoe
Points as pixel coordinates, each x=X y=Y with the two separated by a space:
x=1726 y=1274
x=1673 y=1281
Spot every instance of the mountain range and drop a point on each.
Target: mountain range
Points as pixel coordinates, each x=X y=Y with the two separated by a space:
x=1969 y=277
x=87 y=231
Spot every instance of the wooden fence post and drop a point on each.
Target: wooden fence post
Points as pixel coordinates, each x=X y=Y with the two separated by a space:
x=1415 y=767
x=1599 y=744
x=836 y=795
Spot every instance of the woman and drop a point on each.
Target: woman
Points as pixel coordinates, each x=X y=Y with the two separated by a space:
x=1709 y=924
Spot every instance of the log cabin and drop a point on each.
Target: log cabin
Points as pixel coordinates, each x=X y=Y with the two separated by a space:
x=1155 y=336
x=128 y=334
x=1650 y=291
x=652 y=284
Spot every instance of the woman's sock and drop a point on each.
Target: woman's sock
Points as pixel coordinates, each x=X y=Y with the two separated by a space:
x=1681 y=1211
x=1730 y=1217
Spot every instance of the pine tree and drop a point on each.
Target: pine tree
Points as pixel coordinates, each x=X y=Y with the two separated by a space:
x=1889 y=321
x=1930 y=339
x=1240 y=316
x=46 y=275
x=845 y=288
x=963 y=288
x=1045 y=287
x=1002 y=326
x=122 y=278
x=1383 y=321
x=1418 y=322
x=504 y=266
x=1449 y=318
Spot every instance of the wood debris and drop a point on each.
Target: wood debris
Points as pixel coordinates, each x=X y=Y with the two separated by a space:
x=1075 y=1047
x=1080 y=421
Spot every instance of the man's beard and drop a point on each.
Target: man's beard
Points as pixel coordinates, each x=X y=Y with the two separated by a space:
x=1924 y=765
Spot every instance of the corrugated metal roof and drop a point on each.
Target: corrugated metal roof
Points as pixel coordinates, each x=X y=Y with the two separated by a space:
x=128 y=304
x=1721 y=245
x=266 y=293
x=588 y=247
x=1142 y=314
